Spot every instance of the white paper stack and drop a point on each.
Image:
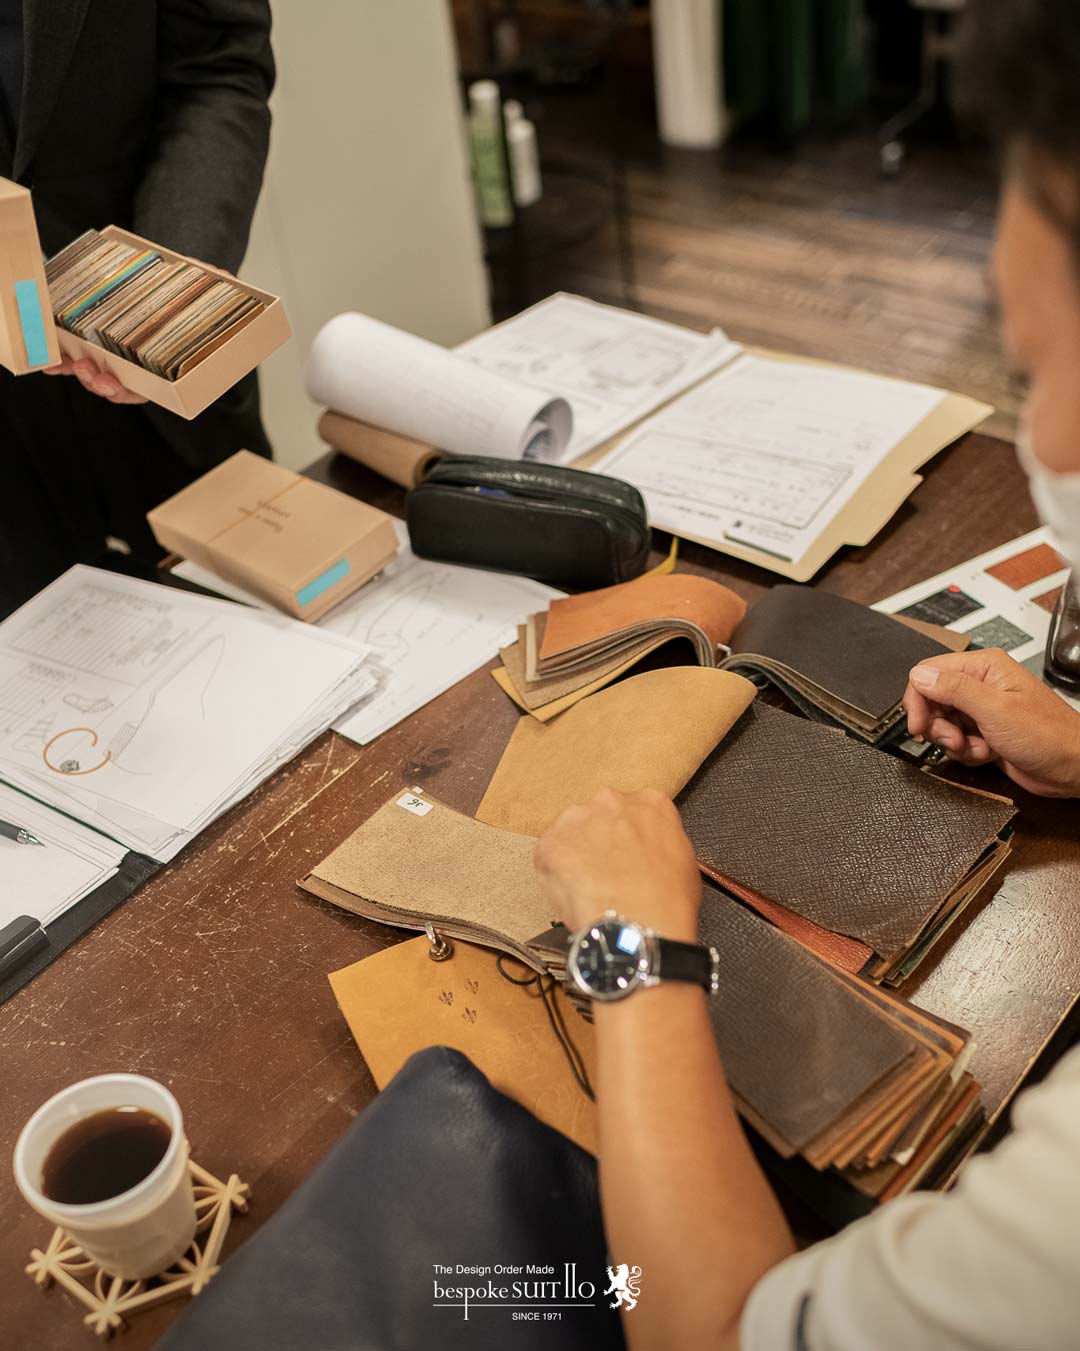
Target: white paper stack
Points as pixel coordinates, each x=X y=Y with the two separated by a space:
x=145 y=711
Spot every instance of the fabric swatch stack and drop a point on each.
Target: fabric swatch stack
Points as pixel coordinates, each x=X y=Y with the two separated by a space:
x=166 y=316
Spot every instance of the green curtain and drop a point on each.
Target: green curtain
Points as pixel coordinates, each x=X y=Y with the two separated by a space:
x=791 y=60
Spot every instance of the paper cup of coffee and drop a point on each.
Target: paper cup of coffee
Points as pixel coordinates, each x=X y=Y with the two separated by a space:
x=106 y=1159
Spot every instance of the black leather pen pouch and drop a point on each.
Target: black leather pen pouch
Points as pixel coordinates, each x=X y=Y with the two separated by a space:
x=571 y=529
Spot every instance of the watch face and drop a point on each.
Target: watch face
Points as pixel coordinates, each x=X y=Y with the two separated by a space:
x=609 y=959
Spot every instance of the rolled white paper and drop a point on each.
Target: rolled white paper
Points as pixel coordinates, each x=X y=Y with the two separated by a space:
x=394 y=380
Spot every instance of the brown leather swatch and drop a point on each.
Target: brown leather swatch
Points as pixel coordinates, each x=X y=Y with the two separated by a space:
x=579 y=621
x=651 y=731
x=797 y=1044
x=857 y=655
x=534 y=695
x=840 y=833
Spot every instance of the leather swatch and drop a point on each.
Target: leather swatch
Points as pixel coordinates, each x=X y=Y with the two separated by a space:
x=398 y=1001
x=798 y=1047
x=579 y=624
x=406 y=866
x=831 y=656
x=819 y=1062
x=536 y=695
x=650 y=731
x=842 y=834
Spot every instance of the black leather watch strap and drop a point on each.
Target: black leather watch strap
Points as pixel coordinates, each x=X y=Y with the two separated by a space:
x=684 y=961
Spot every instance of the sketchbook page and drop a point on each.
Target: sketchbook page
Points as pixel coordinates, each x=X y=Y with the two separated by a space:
x=143 y=710
x=1004 y=598
x=427 y=625
x=766 y=453
x=612 y=366
x=416 y=388
x=45 y=881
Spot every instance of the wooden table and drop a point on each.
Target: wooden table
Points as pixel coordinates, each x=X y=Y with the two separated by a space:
x=212 y=978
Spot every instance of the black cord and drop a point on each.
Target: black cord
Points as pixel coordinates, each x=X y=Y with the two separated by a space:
x=562 y=1036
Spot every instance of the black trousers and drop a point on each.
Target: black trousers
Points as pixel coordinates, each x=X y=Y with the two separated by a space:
x=74 y=470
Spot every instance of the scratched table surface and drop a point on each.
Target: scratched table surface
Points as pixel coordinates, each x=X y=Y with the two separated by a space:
x=213 y=977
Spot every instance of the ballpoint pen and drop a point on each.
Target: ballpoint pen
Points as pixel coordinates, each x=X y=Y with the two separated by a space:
x=16 y=833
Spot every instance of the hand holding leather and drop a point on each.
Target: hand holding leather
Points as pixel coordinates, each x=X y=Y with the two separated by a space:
x=626 y=852
x=983 y=707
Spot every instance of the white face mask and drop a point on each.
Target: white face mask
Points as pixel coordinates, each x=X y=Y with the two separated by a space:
x=1057 y=500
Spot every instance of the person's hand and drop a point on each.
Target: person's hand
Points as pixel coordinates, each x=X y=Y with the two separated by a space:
x=626 y=852
x=984 y=707
x=94 y=379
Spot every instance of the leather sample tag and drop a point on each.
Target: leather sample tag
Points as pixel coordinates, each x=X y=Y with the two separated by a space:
x=842 y=834
x=650 y=731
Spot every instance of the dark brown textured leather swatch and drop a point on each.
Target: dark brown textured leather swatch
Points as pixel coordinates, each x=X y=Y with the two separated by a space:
x=858 y=655
x=841 y=833
x=798 y=1045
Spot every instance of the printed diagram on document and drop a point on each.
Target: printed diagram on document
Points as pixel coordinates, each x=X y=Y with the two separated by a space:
x=85 y=750
x=144 y=711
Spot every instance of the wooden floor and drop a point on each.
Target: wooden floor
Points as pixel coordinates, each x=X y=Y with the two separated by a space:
x=809 y=251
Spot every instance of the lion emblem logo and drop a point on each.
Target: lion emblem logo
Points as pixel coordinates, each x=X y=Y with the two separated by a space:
x=625 y=1286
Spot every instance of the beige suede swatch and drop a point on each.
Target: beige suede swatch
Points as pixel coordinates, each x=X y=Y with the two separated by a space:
x=408 y=864
x=651 y=731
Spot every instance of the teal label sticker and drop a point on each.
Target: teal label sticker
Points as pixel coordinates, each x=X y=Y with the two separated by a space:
x=33 y=323
x=314 y=589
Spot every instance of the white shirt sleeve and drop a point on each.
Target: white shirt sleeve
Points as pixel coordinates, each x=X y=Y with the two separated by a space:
x=992 y=1266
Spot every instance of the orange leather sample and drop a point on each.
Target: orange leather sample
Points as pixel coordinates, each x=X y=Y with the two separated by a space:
x=577 y=624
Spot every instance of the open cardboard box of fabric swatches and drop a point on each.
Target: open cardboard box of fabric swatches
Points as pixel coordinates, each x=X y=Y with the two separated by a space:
x=31 y=340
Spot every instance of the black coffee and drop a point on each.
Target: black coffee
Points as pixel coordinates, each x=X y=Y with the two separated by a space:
x=104 y=1155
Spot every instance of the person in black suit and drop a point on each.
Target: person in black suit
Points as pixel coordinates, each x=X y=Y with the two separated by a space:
x=151 y=115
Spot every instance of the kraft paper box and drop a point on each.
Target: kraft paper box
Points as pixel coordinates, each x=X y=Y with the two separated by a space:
x=30 y=340
x=297 y=543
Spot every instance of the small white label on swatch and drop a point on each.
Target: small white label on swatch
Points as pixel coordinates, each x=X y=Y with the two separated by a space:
x=415 y=804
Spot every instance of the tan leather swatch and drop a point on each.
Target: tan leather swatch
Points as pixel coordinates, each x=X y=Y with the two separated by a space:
x=535 y=696
x=397 y=1002
x=579 y=620
x=651 y=731
x=403 y=867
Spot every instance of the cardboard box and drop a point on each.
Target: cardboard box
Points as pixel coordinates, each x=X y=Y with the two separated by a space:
x=29 y=339
x=297 y=543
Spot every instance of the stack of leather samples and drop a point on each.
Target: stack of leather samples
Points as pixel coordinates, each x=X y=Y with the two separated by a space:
x=861 y=857
x=838 y=662
x=835 y=660
x=582 y=643
x=823 y=1065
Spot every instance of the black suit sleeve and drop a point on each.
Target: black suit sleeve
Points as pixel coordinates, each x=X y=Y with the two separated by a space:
x=212 y=128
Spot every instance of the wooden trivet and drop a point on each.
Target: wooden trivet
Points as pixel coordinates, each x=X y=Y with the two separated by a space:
x=110 y=1298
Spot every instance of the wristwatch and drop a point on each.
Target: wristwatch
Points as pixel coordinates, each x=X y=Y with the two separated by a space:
x=612 y=957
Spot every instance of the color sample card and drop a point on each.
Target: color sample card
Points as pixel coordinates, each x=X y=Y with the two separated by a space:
x=999 y=632
x=166 y=316
x=1032 y=565
x=944 y=607
x=1049 y=599
x=1003 y=598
